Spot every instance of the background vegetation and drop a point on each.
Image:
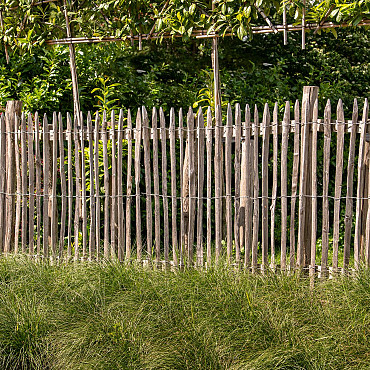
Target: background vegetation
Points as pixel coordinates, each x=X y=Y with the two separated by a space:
x=178 y=74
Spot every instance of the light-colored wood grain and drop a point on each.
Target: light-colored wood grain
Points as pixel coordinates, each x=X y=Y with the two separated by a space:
x=46 y=170
x=13 y=109
x=266 y=129
x=218 y=184
x=113 y=192
x=295 y=171
x=192 y=184
x=284 y=184
x=104 y=135
x=172 y=134
x=18 y=205
x=138 y=134
x=238 y=130
x=349 y=194
x=63 y=187
x=2 y=180
x=83 y=189
x=31 y=189
x=303 y=176
x=256 y=202
x=275 y=123
x=310 y=94
x=200 y=171
x=229 y=219
x=38 y=184
x=120 y=208
x=182 y=226
x=69 y=135
x=24 y=182
x=247 y=190
x=325 y=180
x=148 y=185
x=91 y=170
x=314 y=188
x=77 y=211
x=97 y=185
x=367 y=241
x=54 y=159
x=338 y=182
x=157 y=218
x=209 y=143
x=129 y=186
x=166 y=231
x=360 y=184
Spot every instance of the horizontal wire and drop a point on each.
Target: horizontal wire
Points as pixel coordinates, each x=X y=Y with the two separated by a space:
x=143 y=194
x=186 y=129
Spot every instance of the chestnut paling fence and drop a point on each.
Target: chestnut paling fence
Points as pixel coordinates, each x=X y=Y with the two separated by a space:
x=248 y=187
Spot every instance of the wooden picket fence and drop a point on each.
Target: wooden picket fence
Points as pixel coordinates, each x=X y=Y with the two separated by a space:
x=190 y=191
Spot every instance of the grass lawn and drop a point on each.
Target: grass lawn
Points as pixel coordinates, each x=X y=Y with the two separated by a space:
x=111 y=316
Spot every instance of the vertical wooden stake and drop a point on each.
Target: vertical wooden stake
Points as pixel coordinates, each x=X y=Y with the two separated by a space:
x=166 y=234
x=148 y=185
x=46 y=189
x=265 y=157
x=209 y=186
x=172 y=135
x=129 y=186
x=284 y=180
x=238 y=130
x=31 y=175
x=24 y=182
x=120 y=209
x=200 y=121
x=138 y=134
x=13 y=108
x=218 y=185
x=38 y=184
x=314 y=189
x=338 y=182
x=2 y=179
x=349 y=201
x=63 y=184
x=274 y=181
x=325 y=180
x=229 y=220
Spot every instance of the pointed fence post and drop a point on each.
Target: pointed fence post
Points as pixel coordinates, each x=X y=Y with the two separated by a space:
x=13 y=108
x=310 y=94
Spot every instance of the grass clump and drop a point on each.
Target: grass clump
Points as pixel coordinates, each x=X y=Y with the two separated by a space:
x=111 y=316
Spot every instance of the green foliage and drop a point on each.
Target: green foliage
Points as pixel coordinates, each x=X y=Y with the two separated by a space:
x=257 y=71
x=113 y=316
x=27 y=26
x=106 y=92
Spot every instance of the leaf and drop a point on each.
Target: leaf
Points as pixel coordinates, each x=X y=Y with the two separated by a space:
x=178 y=16
x=192 y=9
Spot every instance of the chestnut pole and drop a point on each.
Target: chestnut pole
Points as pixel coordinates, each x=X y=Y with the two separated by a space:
x=72 y=64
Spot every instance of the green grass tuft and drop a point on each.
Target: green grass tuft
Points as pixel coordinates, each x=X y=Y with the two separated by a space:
x=112 y=316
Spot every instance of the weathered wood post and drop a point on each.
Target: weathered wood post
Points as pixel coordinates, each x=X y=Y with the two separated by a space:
x=310 y=94
x=13 y=108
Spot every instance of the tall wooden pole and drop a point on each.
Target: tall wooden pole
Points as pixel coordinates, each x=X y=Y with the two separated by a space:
x=72 y=64
x=216 y=70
